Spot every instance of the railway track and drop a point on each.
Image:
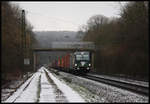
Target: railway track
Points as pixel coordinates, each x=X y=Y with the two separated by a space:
x=140 y=89
x=137 y=88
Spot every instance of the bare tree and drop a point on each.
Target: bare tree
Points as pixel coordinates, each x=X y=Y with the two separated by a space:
x=97 y=21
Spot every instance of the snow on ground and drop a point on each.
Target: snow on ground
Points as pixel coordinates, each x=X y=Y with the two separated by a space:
x=49 y=90
x=9 y=88
x=44 y=87
x=142 y=83
x=110 y=93
x=103 y=92
x=71 y=95
x=6 y=93
x=47 y=86
x=18 y=91
x=30 y=93
x=87 y=95
x=46 y=94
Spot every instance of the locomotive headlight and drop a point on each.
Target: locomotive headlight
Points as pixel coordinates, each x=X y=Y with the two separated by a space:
x=75 y=64
x=89 y=64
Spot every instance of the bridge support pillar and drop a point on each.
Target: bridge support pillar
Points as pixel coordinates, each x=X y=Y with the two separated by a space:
x=93 y=60
x=34 y=61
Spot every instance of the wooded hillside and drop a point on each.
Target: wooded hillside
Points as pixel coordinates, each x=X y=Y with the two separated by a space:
x=12 y=40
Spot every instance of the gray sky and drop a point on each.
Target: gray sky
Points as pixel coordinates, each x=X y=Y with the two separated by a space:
x=59 y=16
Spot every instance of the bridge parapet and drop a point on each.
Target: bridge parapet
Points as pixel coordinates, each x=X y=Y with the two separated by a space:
x=70 y=46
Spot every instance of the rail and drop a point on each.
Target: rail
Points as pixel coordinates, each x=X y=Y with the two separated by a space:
x=140 y=89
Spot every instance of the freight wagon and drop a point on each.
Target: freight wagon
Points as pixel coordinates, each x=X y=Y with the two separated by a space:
x=77 y=62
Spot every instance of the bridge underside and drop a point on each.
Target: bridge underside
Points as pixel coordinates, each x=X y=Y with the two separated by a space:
x=35 y=50
x=62 y=49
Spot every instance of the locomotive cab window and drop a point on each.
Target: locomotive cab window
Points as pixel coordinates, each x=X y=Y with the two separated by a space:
x=83 y=56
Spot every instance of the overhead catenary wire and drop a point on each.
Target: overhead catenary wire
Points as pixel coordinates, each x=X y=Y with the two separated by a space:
x=53 y=21
x=56 y=18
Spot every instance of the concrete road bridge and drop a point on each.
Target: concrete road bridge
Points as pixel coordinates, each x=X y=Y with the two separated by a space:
x=65 y=46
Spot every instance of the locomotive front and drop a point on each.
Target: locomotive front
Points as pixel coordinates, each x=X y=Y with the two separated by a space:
x=82 y=62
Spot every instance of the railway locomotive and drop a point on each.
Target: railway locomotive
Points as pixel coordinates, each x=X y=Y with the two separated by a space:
x=77 y=62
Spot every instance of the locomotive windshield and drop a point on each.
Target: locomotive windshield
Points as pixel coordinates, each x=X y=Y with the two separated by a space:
x=83 y=56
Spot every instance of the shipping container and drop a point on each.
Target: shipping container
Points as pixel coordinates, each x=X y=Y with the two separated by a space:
x=59 y=64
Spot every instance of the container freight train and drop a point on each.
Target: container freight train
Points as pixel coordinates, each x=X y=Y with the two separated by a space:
x=77 y=62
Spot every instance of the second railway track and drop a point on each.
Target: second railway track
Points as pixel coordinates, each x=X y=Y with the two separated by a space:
x=144 y=90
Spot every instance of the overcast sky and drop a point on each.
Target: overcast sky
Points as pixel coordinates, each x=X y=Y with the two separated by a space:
x=60 y=16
